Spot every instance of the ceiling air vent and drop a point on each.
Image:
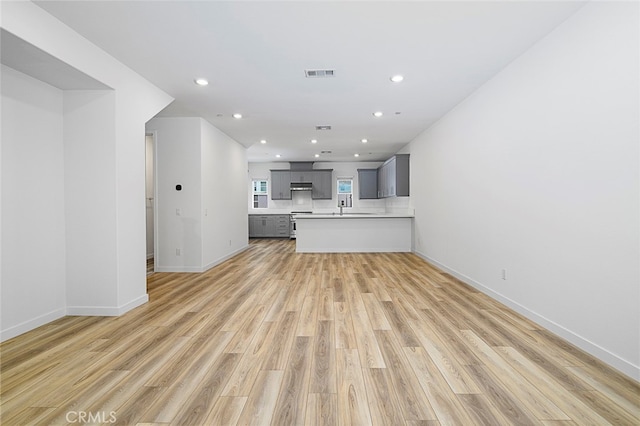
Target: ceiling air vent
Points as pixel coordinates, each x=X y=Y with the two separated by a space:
x=323 y=127
x=319 y=73
x=325 y=152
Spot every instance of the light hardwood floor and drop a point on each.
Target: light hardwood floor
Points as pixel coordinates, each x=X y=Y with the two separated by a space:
x=275 y=337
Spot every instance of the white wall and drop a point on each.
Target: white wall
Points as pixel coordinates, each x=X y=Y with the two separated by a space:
x=33 y=216
x=212 y=169
x=537 y=173
x=224 y=189
x=103 y=134
x=178 y=142
x=90 y=199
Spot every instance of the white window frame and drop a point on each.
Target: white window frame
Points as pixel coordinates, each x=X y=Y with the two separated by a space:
x=349 y=203
x=259 y=192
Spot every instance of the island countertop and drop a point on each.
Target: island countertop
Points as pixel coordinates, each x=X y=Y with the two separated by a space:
x=353 y=215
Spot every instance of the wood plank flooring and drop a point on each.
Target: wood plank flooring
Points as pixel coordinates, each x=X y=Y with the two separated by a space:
x=275 y=337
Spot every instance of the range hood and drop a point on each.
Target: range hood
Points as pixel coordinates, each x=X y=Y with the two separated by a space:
x=301 y=186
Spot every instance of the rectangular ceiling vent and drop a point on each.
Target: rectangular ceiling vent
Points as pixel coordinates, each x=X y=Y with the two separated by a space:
x=325 y=152
x=323 y=127
x=319 y=73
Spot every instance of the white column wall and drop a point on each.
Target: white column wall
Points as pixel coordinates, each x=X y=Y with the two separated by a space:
x=212 y=169
x=224 y=191
x=90 y=201
x=133 y=110
x=537 y=173
x=178 y=163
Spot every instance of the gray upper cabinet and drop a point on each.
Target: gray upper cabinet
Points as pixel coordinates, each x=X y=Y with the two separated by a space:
x=322 y=185
x=280 y=185
x=367 y=184
x=393 y=177
x=320 y=179
x=302 y=176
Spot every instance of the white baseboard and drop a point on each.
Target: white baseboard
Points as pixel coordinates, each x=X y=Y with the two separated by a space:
x=190 y=269
x=597 y=351
x=195 y=269
x=106 y=311
x=355 y=250
x=225 y=258
x=102 y=311
x=141 y=300
x=31 y=324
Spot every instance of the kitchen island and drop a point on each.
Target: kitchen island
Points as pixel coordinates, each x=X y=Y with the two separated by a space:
x=354 y=233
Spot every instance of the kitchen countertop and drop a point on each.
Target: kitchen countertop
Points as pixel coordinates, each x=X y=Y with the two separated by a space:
x=353 y=216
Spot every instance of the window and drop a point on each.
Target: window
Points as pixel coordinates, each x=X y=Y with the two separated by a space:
x=260 y=193
x=345 y=192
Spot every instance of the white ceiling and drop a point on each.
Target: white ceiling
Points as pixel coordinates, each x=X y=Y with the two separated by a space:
x=28 y=59
x=254 y=55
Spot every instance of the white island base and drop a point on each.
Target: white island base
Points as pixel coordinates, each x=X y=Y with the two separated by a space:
x=353 y=233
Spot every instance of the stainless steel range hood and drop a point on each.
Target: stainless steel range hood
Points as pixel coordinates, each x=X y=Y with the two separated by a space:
x=301 y=186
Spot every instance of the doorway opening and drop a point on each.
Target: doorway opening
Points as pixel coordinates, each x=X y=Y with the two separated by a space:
x=149 y=194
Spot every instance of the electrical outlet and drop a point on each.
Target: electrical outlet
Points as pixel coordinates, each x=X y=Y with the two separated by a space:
x=178 y=212
x=229 y=242
x=178 y=252
x=504 y=274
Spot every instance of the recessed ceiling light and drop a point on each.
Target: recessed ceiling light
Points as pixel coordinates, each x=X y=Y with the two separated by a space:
x=263 y=141
x=201 y=81
x=377 y=114
x=278 y=155
x=317 y=155
x=397 y=78
x=237 y=115
x=356 y=155
x=364 y=141
x=314 y=141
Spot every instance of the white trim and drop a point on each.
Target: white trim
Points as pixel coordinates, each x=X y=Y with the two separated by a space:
x=134 y=303
x=597 y=351
x=225 y=258
x=197 y=270
x=355 y=250
x=189 y=269
x=107 y=311
x=31 y=324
